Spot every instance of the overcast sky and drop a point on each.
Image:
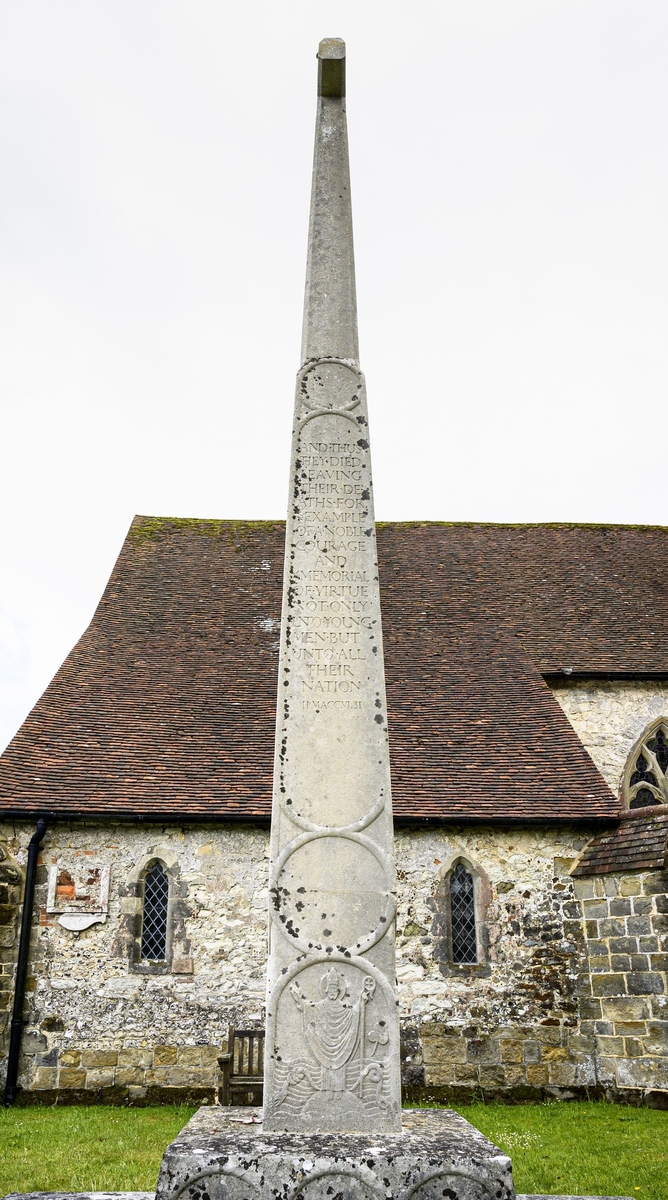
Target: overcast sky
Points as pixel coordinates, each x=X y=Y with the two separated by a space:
x=509 y=192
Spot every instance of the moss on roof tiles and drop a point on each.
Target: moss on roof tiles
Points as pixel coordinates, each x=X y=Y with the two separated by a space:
x=149 y=529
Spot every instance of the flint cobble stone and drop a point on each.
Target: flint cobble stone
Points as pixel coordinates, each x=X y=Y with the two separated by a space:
x=609 y=716
x=167 y=1031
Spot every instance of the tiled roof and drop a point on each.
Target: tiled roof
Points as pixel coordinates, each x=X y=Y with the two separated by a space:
x=639 y=843
x=166 y=704
x=475 y=732
x=585 y=599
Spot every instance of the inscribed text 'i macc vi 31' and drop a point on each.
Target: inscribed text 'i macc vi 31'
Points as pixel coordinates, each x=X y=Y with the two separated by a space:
x=332 y=1046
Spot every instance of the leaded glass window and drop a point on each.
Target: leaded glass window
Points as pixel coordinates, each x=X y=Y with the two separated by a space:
x=648 y=773
x=462 y=916
x=154 y=926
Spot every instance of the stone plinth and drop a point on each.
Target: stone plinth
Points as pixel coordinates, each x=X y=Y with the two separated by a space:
x=220 y=1155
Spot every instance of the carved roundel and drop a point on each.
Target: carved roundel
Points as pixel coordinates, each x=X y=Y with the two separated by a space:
x=225 y=1184
x=450 y=1184
x=354 y=871
x=306 y=962
x=330 y=385
x=355 y=1183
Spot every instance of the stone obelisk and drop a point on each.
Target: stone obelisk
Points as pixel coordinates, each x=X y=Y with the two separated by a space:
x=332 y=1045
x=332 y=1119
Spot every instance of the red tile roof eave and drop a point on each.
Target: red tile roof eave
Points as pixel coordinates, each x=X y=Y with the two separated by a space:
x=558 y=674
x=262 y=817
x=642 y=848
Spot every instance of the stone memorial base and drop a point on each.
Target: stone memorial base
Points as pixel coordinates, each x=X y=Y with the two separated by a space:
x=223 y=1154
x=151 y=1196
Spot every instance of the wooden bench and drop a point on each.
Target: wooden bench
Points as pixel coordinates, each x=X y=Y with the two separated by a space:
x=242 y=1067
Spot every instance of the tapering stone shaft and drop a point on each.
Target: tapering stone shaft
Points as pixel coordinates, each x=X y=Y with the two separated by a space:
x=332 y=1048
x=330 y=302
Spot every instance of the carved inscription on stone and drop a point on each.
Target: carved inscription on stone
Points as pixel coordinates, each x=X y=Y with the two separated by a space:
x=332 y=1036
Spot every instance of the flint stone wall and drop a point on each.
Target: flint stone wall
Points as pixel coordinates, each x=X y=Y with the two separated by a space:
x=510 y=1023
x=96 y=1025
x=609 y=716
x=551 y=1009
x=11 y=892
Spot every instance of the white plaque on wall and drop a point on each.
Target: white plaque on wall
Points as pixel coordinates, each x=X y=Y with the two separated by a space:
x=78 y=894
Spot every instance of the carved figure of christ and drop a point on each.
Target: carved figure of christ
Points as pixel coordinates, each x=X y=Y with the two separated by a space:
x=332 y=1028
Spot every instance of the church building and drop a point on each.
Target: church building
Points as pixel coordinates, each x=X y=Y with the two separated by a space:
x=526 y=672
x=527 y=686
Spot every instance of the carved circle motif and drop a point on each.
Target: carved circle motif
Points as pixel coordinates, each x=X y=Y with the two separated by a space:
x=355 y=826
x=360 y=839
x=447 y=1173
x=360 y=1174
x=248 y=1190
x=307 y=376
x=310 y=960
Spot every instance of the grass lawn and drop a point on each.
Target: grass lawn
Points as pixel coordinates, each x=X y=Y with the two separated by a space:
x=585 y=1149
x=82 y=1149
x=580 y=1149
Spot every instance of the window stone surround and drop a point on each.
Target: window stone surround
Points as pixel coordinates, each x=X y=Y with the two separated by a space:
x=441 y=925
x=178 y=959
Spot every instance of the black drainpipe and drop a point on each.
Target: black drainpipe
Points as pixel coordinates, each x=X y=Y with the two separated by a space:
x=11 y=1087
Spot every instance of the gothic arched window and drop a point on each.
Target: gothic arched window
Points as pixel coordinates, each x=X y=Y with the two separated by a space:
x=646 y=776
x=463 y=935
x=154 y=922
x=459 y=904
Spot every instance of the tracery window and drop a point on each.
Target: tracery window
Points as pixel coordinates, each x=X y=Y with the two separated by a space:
x=462 y=916
x=647 y=769
x=154 y=923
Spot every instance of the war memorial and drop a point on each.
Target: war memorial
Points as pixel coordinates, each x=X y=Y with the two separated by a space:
x=332 y=1120
x=332 y=1123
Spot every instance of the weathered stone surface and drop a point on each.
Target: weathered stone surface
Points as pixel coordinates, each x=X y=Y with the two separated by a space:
x=332 y=1045
x=642 y=1073
x=609 y=716
x=627 y=1052
x=81 y=1004
x=80 y=1196
x=151 y=1196
x=84 y=1002
x=220 y=1154
x=88 y=999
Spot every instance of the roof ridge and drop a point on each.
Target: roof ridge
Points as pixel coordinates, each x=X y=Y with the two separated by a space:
x=409 y=523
